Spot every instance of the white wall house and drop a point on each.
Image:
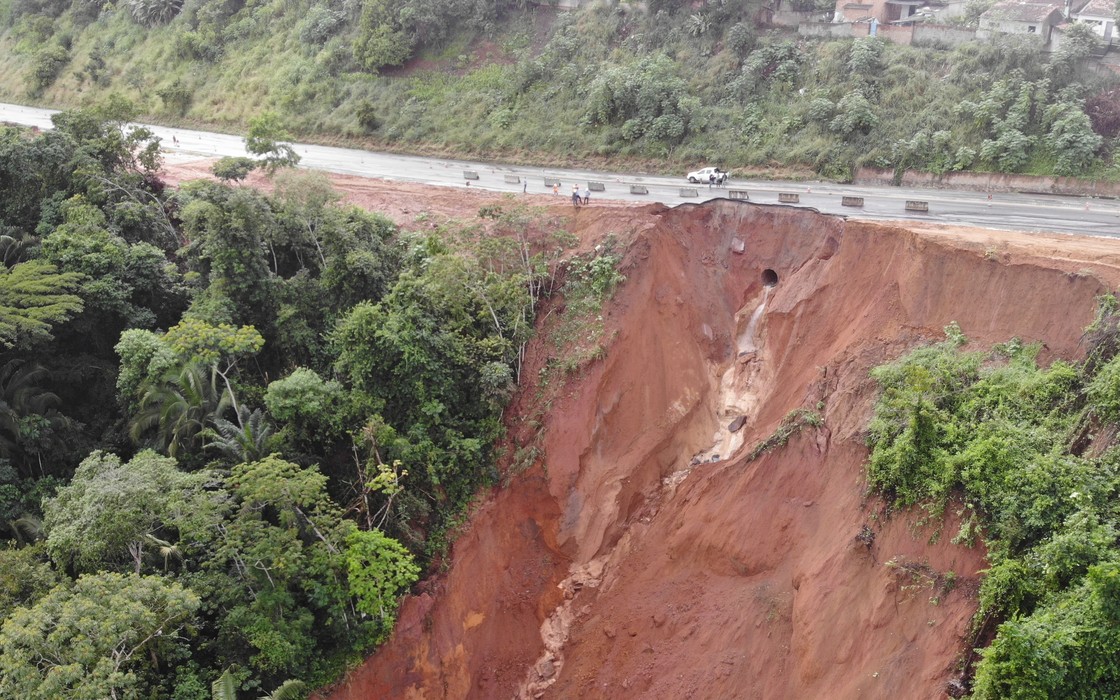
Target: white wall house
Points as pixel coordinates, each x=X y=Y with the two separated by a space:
x=1100 y=15
x=1011 y=17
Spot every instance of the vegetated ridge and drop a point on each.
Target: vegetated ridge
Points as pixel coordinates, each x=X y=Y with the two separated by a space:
x=660 y=546
x=660 y=85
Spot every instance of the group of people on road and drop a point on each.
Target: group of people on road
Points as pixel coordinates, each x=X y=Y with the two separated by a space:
x=579 y=196
x=717 y=179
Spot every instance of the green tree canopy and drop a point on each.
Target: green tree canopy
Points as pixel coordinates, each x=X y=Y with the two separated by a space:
x=277 y=568
x=379 y=569
x=144 y=359
x=25 y=577
x=112 y=513
x=34 y=297
x=106 y=636
x=266 y=140
x=233 y=168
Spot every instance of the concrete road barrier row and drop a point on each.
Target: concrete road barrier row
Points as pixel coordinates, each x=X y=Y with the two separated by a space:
x=690 y=192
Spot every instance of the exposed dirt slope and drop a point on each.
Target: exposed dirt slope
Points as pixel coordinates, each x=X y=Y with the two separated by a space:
x=648 y=557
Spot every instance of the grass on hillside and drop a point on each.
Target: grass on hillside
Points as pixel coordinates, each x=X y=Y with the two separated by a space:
x=611 y=85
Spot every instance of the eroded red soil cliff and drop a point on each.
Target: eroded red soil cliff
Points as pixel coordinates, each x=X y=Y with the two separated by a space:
x=646 y=556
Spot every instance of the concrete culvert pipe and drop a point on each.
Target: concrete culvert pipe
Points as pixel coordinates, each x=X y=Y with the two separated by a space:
x=769 y=278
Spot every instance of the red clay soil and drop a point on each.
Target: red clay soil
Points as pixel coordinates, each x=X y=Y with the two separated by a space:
x=411 y=205
x=646 y=555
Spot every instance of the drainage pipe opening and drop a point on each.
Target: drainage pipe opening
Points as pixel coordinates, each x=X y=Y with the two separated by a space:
x=769 y=278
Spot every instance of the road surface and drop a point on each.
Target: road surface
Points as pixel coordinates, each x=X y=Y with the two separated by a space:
x=1018 y=212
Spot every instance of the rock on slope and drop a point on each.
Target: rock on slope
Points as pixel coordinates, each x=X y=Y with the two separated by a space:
x=647 y=556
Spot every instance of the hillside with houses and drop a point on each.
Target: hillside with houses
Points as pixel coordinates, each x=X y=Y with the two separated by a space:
x=946 y=22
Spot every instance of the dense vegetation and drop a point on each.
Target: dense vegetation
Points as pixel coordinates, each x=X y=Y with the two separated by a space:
x=1029 y=458
x=233 y=426
x=663 y=82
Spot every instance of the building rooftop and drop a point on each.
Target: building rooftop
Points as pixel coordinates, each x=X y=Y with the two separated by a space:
x=1021 y=11
x=1097 y=8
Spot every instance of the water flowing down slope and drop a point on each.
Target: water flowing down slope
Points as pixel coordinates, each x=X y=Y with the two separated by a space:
x=656 y=550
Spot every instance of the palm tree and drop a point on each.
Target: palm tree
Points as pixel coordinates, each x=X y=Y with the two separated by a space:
x=288 y=690
x=152 y=12
x=225 y=688
x=698 y=24
x=166 y=550
x=14 y=245
x=23 y=394
x=179 y=406
x=25 y=529
x=248 y=440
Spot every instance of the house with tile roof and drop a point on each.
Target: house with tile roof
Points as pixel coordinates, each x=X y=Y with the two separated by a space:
x=1100 y=14
x=896 y=11
x=1010 y=17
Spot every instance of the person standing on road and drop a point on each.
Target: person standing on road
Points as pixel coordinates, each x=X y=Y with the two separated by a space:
x=586 y=194
x=575 y=195
x=711 y=180
x=524 y=185
x=556 y=187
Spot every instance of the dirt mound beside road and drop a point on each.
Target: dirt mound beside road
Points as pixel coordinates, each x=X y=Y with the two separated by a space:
x=648 y=556
x=412 y=205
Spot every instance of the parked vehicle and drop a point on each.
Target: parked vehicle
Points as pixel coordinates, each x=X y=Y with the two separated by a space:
x=705 y=175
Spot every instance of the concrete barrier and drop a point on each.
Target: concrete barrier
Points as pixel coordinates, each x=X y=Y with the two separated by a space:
x=847 y=201
x=689 y=192
x=914 y=205
x=513 y=179
x=789 y=197
x=551 y=181
x=639 y=189
x=470 y=175
x=739 y=194
x=596 y=187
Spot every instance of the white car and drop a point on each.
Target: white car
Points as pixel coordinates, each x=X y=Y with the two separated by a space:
x=705 y=175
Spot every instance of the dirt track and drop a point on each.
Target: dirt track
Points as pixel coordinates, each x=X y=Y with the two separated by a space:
x=645 y=556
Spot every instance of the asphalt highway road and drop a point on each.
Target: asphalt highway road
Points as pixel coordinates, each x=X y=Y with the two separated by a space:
x=1019 y=212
